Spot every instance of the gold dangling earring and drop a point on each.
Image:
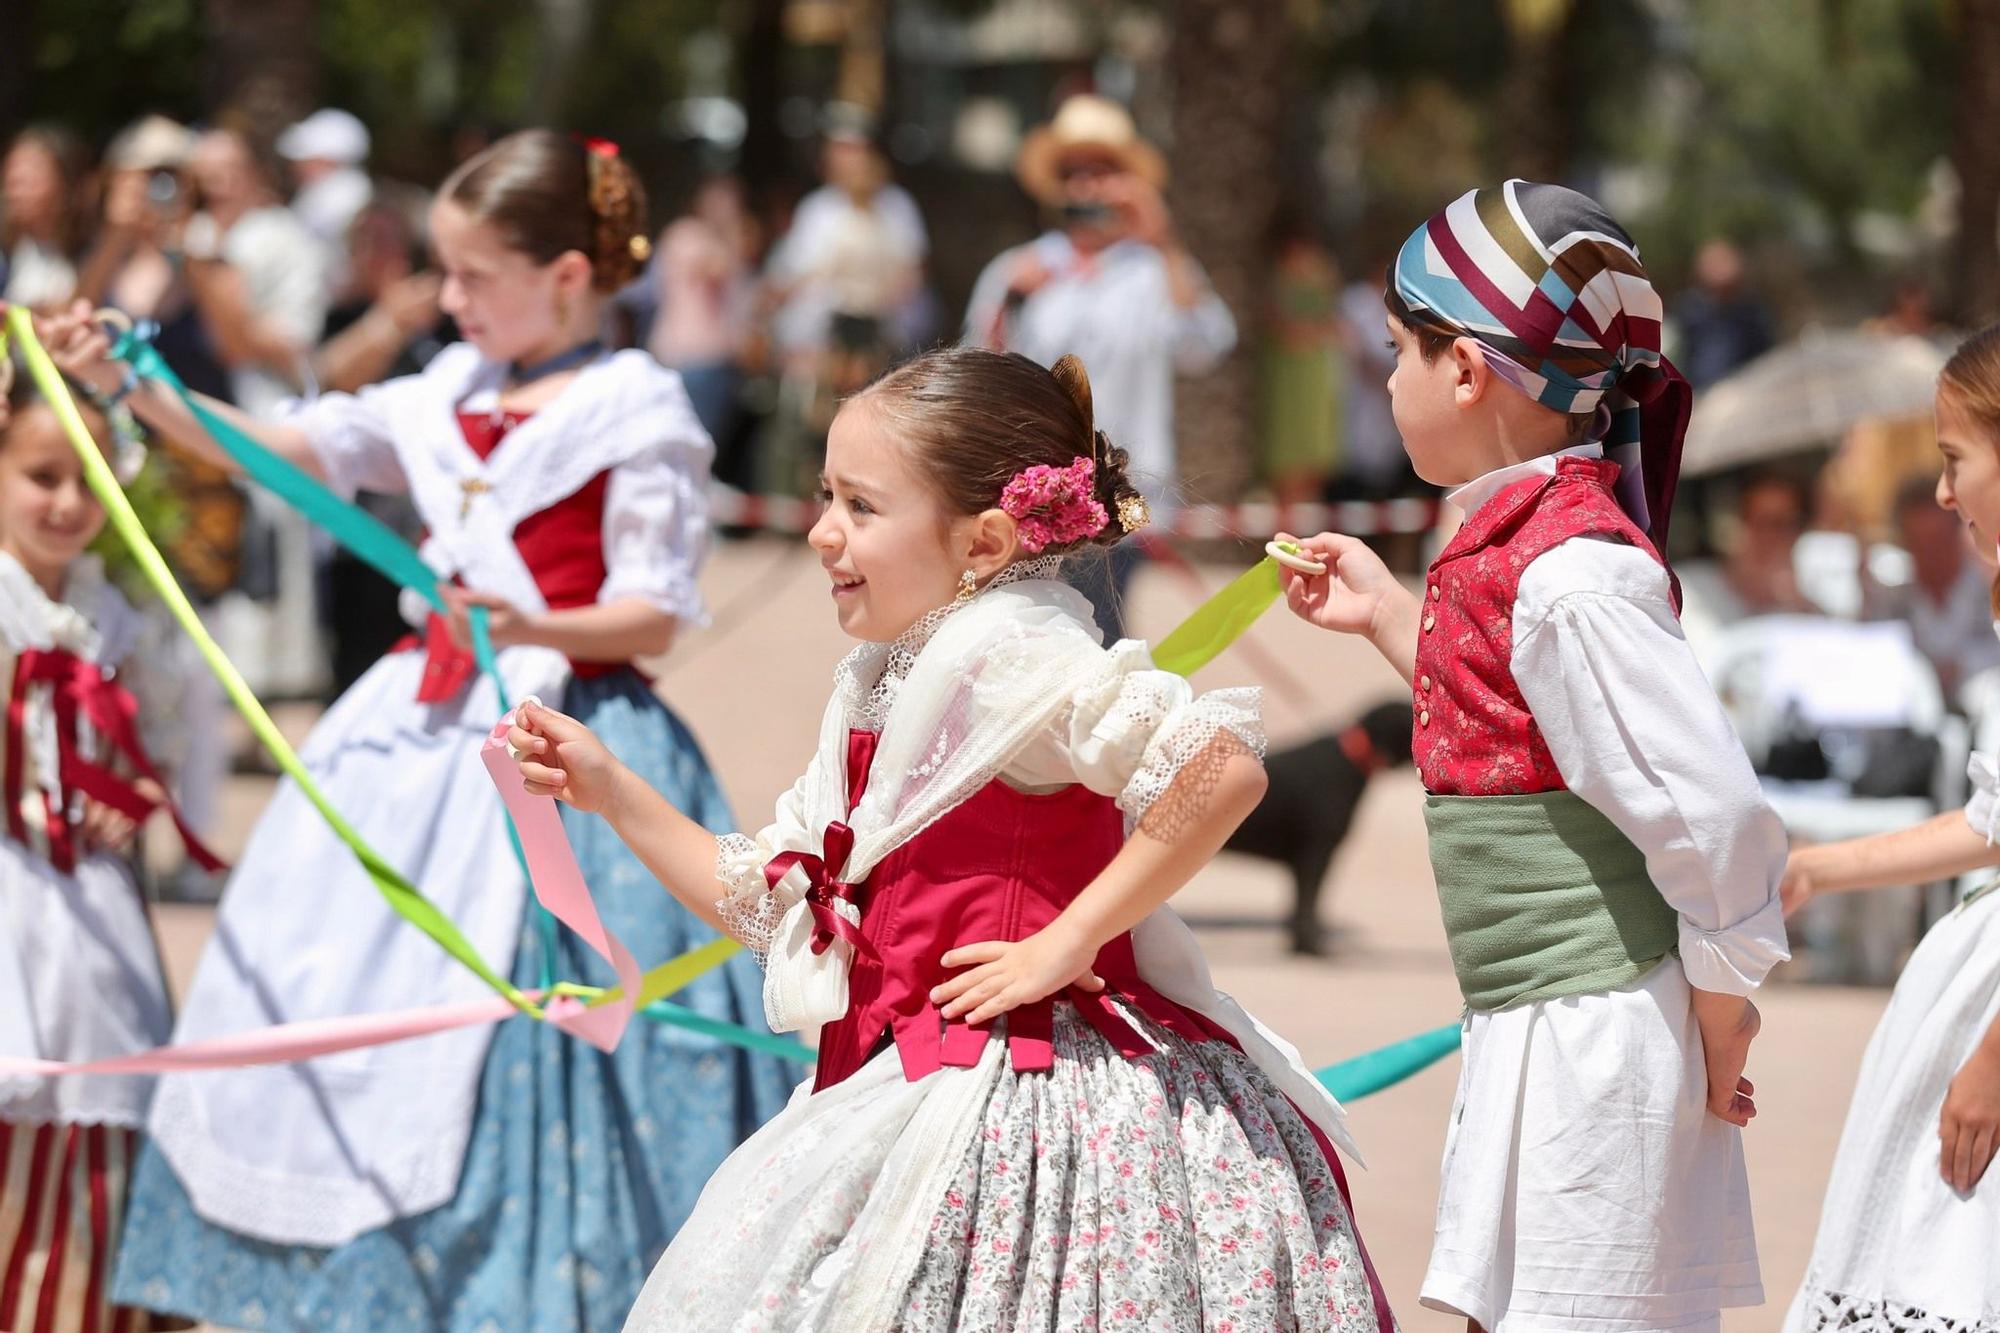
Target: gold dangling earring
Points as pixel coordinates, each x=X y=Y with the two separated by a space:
x=562 y=311
x=968 y=586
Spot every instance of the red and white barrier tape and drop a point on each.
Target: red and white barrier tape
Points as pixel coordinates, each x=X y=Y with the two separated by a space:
x=791 y=515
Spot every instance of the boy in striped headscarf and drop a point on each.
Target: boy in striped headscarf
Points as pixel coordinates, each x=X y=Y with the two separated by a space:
x=1606 y=865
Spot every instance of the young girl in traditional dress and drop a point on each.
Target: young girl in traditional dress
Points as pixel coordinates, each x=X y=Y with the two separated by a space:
x=85 y=719
x=1909 y=1239
x=503 y=1178
x=1607 y=869
x=1032 y=1110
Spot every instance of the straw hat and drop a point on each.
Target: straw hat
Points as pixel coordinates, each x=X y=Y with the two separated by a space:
x=1087 y=123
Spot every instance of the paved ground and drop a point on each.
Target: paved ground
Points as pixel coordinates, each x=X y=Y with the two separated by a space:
x=753 y=687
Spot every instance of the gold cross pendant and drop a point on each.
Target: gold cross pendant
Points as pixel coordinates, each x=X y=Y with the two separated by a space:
x=473 y=488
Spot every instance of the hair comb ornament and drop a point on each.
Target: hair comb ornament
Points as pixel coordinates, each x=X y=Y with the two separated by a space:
x=1133 y=513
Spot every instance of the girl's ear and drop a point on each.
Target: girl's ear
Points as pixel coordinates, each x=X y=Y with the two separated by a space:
x=572 y=272
x=988 y=542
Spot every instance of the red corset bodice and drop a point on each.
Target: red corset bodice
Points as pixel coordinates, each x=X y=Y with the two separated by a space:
x=562 y=546
x=1474 y=734
x=1000 y=866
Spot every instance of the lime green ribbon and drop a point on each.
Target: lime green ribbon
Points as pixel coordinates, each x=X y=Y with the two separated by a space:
x=401 y=895
x=1219 y=621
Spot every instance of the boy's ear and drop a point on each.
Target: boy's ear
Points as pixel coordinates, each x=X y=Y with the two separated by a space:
x=1471 y=375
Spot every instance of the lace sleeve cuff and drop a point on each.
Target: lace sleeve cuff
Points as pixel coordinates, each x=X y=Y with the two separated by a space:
x=1184 y=735
x=751 y=909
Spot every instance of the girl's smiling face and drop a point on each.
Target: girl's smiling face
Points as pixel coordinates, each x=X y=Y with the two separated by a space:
x=888 y=544
x=48 y=515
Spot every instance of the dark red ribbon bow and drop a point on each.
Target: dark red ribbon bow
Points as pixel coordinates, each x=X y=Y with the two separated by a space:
x=822 y=889
x=82 y=687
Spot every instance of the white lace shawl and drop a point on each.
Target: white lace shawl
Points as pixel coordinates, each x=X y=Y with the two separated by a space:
x=1014 y=684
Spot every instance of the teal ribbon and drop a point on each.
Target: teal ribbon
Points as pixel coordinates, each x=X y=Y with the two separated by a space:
x=372 y=541
x=385 y=551
x=1386 y=1066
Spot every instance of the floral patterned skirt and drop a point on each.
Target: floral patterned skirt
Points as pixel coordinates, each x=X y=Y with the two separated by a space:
x=1176 y=1191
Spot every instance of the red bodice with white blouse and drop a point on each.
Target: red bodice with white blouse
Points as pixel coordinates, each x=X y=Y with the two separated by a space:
x=562 y=546
x=999 y=866
x=1474 y=734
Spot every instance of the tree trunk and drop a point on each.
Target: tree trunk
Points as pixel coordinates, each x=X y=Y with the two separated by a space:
x=1537 y=108
x=760 y=57
x=1976 y=155
x=1227 y=65
x=17 y=62
x=262 y=62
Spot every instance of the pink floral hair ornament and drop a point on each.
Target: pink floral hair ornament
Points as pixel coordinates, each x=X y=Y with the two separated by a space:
x=1055 y=506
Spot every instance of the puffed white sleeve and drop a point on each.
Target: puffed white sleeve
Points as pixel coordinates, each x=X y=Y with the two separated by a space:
x=1635 y=730
x=1131 y=729
x=349 y=432
x=656 y=533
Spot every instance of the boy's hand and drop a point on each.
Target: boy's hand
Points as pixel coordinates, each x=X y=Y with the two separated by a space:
x=1728 y=1024
x=560 y=757
x=1003 y=975
x=1796 y=888
x=1352 y=592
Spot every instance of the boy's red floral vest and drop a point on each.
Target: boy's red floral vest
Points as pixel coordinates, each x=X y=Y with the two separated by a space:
x=1474 y=735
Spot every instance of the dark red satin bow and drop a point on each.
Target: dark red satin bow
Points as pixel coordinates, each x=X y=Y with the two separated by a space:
x=82 y=687
x=823 y=891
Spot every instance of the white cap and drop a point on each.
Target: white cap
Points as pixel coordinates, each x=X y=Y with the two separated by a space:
x=331 y=134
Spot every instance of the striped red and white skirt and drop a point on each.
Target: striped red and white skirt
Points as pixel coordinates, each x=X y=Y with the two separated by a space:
x=62 y=1200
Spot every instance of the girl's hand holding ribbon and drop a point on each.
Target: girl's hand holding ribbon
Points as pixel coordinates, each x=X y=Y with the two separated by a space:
x=560 y=757
x=505 y=624
x=80 y=346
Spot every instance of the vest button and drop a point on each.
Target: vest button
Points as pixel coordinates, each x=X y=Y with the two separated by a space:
x=1426 y=682
x=1430 y=621
x=1434 y=591
x=1424 y=718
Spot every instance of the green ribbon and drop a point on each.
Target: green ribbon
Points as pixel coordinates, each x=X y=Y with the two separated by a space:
x=1198 y=641
x=401 y=895
x=1219 y=621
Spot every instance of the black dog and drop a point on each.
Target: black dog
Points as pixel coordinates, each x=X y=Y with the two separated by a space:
x=1314 y=791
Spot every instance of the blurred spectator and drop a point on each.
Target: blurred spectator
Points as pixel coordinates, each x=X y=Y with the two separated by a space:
x=702 y=282
x=853 y=255
x=1302 y=367
x=390 y=324
x=1911 y=312
x=1723 y=325
x=1113 y=286
x=328 y=153
x=257 y=274
x=1373 y=465
x=1948 y=600
x=1758 y=575
x=44 y=211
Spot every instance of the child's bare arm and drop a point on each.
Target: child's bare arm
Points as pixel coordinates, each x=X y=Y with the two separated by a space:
x=560 y=757
x=1941 y=847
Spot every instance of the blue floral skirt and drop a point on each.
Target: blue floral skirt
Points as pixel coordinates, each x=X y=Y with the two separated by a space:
x=581 y=1165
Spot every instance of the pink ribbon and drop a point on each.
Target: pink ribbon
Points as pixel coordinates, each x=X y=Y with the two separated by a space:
x=559 y=887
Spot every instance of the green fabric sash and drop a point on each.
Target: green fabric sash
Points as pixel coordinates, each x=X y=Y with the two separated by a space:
x=1543 y=897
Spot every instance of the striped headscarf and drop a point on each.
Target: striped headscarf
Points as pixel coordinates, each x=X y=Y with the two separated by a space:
x=1554 y=291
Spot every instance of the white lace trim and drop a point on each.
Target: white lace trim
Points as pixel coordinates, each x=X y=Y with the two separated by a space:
x=870 y=677
x=750 y=909
x=1179 y=736
x=1831 y=1310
